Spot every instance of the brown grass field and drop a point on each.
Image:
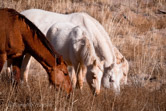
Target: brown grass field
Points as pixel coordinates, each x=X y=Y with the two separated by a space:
x=136 y=27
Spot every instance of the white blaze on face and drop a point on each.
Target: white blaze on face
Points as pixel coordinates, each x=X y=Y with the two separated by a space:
x=117 y=77
x=97 y=70
x=113 y=77
x=107 y=77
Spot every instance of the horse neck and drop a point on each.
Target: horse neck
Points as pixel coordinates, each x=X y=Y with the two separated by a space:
x=99 y=35
x=38 y=50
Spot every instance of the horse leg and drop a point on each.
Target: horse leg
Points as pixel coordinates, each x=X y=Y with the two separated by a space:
x=78 y=69
x=84 y=71
x=3 y=58
x=77 y=73
x=80 y=77
x=73 y=76
x=16 y=68
x=25 y=67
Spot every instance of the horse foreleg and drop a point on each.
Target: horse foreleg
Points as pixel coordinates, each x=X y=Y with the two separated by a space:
x=25 y=67
x=3 y=58
x=73 y=77
x=16 y=68
x=84 y=71
x=80 y=77
x=78 y=73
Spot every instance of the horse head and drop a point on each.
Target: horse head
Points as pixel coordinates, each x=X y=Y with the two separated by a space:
x=113 y=76
x=97 y=73
x=60 y=75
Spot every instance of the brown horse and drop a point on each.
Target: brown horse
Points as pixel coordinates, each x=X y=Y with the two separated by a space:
x=19 y=36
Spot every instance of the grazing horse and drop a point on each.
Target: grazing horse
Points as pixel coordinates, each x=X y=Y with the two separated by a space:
x=123 y=63
x=73 y=44
x=118 y=73
x=20 y=36
x=99 y=37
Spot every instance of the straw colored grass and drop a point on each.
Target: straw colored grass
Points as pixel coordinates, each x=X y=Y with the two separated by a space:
x=136 y=27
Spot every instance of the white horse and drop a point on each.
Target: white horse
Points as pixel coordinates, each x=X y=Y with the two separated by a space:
x=73 y=43
x=99 y=37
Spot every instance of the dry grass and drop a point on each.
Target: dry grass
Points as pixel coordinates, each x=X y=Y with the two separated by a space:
x=136 y=27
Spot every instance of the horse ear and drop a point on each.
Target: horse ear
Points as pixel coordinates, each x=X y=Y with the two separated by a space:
x=122 y=60
x=59 y=60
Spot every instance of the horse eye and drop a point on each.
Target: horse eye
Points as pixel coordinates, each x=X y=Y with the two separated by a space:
x=111 y=80
x=94 y=77
x=65 y=74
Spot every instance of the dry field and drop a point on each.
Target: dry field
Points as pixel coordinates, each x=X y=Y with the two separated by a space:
x=136 y=27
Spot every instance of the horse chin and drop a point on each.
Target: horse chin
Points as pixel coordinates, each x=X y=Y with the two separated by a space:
x=97 y=92
x=68 y=89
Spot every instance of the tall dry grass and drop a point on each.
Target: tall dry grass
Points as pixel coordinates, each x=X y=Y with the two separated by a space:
x=136 y=27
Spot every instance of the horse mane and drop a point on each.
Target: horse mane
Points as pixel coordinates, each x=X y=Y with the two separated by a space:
x=81 y=41
x=34 y=31
x=87 y=52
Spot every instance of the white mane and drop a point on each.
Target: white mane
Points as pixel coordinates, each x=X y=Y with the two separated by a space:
x=82 y=44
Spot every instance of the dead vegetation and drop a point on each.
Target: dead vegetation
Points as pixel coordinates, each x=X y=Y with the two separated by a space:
x=136 y=27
